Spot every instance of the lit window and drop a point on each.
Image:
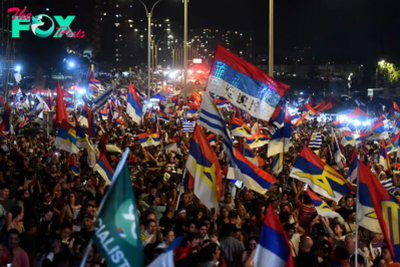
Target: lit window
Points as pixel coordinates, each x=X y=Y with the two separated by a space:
x=117 y=59
x=167 y=20
x=206 y=42
x=131 y=25
x=168 y=29
x=141 y=36
x=129 y=20
x=47 y=9
x=136 y=30
x=159 y=25
x=241 y=34
x=105 y=14
x=116 y=49
x=168 y=25
x=116 y=55
x=120 y=35
x=152 y=24
x=117 y=24
x=205 y=50
x=101 y=18
x=235 y=32
x=116 y=5
x=130 y=6
x=116 y=40
x=240 y=52
x=159 y=49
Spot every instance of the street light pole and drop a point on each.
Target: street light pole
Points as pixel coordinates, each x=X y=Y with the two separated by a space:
x=271 y=38
x=149 y=15
x=185 y=45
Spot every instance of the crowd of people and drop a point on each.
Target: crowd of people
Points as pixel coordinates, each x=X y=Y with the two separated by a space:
x=48 y=213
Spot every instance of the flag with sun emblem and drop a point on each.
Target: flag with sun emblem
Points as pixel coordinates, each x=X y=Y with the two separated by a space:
x=321 y=177
x=117 y=233
x=203 y=165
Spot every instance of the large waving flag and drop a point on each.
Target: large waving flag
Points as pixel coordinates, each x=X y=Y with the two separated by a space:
x=321 y=177
x=211 y=119
x=102 y=99
x=133 y=105
x=288 y=131
x=66 y=138
x=384 y=158
x=276 y=143
x=366 y=216
x=353 y=168
x=239 y=128
x=244 y=85
x=118 y=222
x=253 y=177
x=322 y=208
x=273 y=247
x=102 y=166
x=248 y=153
x=61 y=111
x=310 y=112
x=203 y=165
x=192 y=110
x=149 y=139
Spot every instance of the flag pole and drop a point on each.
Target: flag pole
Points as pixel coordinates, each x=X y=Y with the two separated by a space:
x=357 y=208
x=181 y=190
x=84 y=259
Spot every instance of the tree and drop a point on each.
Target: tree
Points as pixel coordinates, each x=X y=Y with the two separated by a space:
x=389 y=71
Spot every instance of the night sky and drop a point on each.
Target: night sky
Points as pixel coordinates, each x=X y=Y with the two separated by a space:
x=363 y=30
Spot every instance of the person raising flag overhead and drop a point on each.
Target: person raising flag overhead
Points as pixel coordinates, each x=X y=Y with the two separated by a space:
x=203 y=165
x=384 y=158
x=244 y=85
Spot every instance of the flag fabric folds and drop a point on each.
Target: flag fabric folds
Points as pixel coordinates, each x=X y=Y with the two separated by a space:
x=239 y=128
x=277 y=164
x=102 y=166
x=337 y=153
x=321 y=177
x=322 y=208
x=203 y=165
x=244 y=85
x=366 y=216
x=82 y=141
x=133 y=105
x=273 y=247
x=61 y=111
x=353 y=168
x=149 y=139
x=211 y=119
x=253 y=177
x=276 y=143
x=117 y=232
x=172 y=145
x=66 y=138
x=395 y=106
x=102 y=99
x=384 y=158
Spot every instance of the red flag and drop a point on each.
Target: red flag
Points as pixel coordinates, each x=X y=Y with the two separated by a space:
x=61 y=113
x=395 y=106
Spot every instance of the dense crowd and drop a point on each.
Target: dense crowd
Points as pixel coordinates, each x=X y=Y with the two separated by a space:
x=48 y=213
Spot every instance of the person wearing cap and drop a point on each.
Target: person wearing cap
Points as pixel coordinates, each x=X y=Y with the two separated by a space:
x=231 y=247
x=88 y=229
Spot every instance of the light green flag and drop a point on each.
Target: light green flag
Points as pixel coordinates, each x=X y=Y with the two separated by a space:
x=117 y=232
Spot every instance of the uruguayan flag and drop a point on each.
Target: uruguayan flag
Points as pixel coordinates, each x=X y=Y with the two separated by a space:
x=316 y=140
x=188 y=127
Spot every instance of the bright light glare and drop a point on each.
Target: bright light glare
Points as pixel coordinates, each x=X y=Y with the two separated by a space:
x=366 y=123
x=190 y=72
x=342 y=118
x=173 y=74
x=82 y=91
x=301 y=93
x=357 y=122
x=71 y=64
x=18 y=68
